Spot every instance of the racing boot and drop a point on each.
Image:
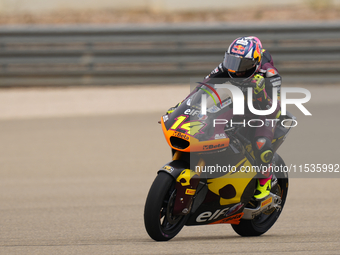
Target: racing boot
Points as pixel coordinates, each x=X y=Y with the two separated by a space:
x=263 y=188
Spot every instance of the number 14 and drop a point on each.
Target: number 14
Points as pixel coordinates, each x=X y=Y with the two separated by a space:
x=192 y=127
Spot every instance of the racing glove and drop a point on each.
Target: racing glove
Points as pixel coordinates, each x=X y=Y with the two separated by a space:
x=259 y=83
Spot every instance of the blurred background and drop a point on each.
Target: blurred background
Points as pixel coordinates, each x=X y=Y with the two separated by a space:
x=83 y=85
x=46 y=43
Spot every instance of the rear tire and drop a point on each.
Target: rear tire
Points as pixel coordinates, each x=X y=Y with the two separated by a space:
x=159 y=222
x=262 y=223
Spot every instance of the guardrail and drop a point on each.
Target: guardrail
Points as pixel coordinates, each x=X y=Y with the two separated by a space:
x=116 y=55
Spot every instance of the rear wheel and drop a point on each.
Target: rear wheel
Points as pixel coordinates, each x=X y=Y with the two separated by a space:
x=159 y=222
x=263 y=222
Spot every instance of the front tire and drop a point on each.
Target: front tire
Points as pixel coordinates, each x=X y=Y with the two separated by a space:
x=159 y=222
x=262 y=223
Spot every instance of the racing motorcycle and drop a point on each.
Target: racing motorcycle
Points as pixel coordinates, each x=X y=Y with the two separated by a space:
x=210 y=179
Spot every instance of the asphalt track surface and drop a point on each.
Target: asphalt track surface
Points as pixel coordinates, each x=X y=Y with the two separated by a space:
x=77 y=185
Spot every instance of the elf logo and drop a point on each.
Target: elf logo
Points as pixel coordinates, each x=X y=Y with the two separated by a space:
x=208 y=216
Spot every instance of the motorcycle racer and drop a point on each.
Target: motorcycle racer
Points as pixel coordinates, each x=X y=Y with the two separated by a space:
x=246 y=62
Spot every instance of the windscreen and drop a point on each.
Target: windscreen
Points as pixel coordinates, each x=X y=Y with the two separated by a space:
x=208 y=105
x=216 y=98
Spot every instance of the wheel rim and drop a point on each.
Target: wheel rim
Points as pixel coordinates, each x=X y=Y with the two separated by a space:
x=168 y=221
x=278 y=193
x=267 y=215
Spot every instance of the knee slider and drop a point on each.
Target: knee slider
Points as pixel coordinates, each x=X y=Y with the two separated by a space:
x=263 y=150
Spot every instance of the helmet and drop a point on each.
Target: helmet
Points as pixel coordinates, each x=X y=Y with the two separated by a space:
x=243 y=57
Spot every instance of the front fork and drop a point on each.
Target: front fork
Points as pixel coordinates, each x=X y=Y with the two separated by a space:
x=186 y=185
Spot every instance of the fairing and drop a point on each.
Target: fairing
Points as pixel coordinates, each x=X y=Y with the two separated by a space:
x=197 y=130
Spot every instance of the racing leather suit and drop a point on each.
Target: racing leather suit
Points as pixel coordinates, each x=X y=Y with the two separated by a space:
x=262 y=136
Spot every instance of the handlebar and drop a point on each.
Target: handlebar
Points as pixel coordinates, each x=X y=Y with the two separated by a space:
x=242 y=138
x=236 y=133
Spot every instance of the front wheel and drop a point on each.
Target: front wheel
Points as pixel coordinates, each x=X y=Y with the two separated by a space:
x=159 y=222
x=262 y=223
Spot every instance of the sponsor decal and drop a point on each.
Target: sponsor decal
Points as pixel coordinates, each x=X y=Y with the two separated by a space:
x=267 y=201
x=202 y=117
x=234 y=219
x=213 y=146
x=260 y=142
x=191 y=112
x=189 y=101
x=168 y=168
x=275 y=79
x=272 y=71
x=242 y=41
x=215 y=70
x=208 y=216
x=234 y=209
x=213 y=109
x=276 y=83
x=165 y=118
x=181 y=135
x=220 y=136
x=226 y=103
x=190 y=192
x=239 y=49
x=196 y=107
x=257 y=52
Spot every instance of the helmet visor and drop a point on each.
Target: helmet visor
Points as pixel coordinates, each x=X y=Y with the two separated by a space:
x=238 y=64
